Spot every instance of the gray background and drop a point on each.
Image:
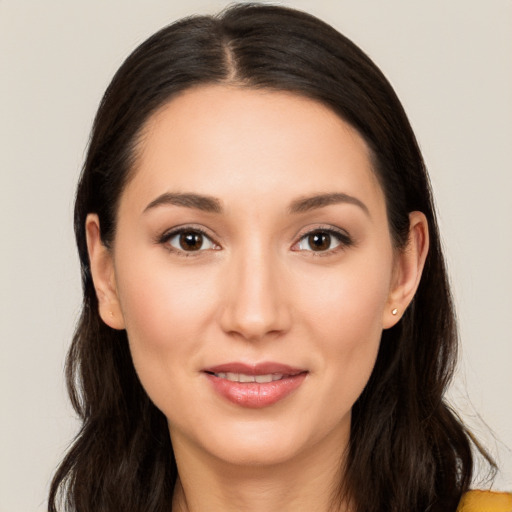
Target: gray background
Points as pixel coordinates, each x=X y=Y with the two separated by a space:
x=450 y=62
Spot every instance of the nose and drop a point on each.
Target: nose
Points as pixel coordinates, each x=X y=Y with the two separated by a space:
x=256 y=303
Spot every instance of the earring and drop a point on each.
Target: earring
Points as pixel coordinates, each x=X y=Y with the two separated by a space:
x=394 y=312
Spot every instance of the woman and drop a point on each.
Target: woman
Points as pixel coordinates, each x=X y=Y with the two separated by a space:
x=267 y=322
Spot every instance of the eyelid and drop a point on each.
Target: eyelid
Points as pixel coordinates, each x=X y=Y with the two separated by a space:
x=344 y=238
x=167 y=235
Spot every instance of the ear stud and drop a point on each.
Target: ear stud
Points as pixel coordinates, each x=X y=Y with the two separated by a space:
x=394 y=312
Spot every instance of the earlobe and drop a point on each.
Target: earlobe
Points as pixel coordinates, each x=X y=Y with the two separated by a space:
x=103 y=275
x=408 y=270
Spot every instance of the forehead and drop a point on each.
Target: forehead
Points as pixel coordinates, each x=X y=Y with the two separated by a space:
x=226 y=140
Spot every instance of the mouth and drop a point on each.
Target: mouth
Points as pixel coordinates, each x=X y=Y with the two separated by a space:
x=243 y=377
x=255 y=386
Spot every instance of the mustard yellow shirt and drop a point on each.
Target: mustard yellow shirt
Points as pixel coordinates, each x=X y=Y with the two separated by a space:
x=486 y=501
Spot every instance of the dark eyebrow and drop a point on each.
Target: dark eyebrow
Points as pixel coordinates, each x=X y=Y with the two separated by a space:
x=306 y=204
x=197 y=201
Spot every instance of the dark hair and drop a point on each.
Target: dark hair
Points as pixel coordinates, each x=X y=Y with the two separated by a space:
x=408 y=451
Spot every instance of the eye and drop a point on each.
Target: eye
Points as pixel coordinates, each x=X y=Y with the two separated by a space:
x=188 y=240
x=323 y=240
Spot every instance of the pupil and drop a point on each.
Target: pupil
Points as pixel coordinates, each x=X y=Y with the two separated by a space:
x=191 y=241
x=320 y=241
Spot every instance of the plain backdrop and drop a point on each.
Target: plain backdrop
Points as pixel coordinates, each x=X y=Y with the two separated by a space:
x=451 y=64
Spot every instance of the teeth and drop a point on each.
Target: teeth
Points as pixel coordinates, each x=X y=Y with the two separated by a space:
x=242 y=377
x=263 y=378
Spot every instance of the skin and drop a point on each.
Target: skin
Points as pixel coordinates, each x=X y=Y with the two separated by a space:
x=255 y=292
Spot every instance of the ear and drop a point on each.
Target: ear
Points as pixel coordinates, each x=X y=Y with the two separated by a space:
x=409 y=265
x=103 y=275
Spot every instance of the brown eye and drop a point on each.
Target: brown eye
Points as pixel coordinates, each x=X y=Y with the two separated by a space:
x=319 y=241
x=323 y=240
x=191 y=241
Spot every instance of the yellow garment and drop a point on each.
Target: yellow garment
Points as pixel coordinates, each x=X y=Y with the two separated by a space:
x=485 y=501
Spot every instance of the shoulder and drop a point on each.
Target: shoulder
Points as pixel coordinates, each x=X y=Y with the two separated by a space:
x=486 y=501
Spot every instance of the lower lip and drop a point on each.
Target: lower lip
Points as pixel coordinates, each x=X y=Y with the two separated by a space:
x=256 y=395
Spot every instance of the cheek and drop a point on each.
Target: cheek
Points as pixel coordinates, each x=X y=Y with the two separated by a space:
x=165 y=310
x=162 y=302
x=347 y=302
x=344 y=312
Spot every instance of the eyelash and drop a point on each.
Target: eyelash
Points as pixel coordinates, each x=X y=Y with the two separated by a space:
x=344 y=240
x=169 y=235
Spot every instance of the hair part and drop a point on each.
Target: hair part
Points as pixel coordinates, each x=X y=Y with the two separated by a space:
x=405 y=440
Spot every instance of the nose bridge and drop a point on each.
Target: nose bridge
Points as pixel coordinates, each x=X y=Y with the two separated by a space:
x=255 y=304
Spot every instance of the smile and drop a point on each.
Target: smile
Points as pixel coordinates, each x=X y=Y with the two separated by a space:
x=241 y=377
x=255 y=386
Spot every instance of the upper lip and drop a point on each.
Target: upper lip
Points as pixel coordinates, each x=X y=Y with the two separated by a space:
x=263 y=368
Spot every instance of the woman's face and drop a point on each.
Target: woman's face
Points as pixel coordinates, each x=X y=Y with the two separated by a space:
x=252 y=244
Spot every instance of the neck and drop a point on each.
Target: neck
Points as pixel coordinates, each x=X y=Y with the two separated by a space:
x=308 y=482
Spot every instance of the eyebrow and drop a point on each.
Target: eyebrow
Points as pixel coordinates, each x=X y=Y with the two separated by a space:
x=305 y=204
x=197 y=201
x=213 y=205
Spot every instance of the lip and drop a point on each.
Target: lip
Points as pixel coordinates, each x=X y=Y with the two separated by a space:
x=255 y=369
x=255 y=395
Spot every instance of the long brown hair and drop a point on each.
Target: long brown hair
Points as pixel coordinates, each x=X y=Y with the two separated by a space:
x=408 y=451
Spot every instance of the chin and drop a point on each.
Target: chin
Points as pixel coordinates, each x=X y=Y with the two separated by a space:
x=269 y=442
x=259 y=452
